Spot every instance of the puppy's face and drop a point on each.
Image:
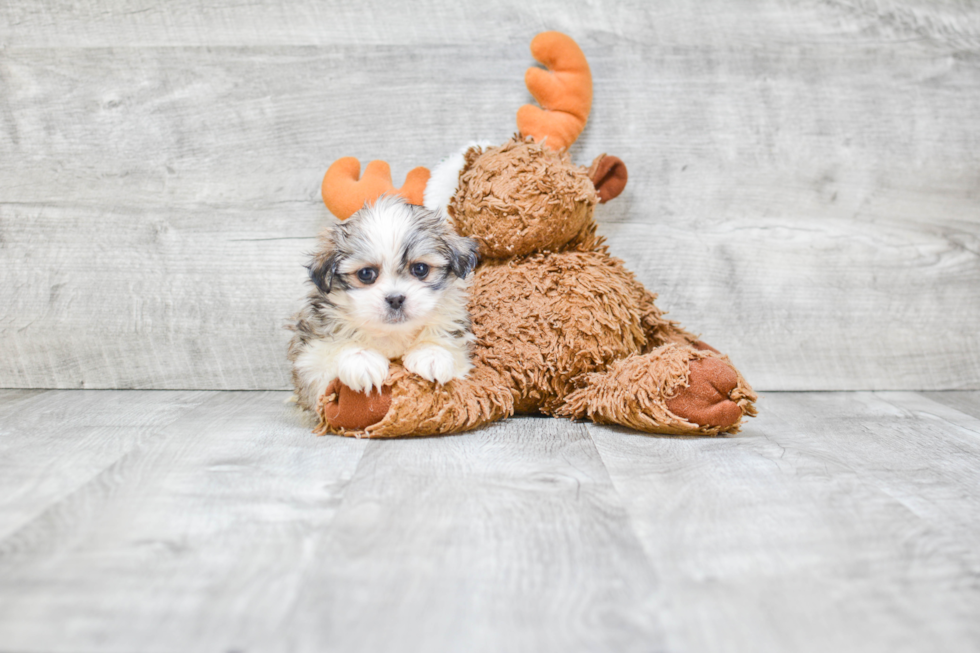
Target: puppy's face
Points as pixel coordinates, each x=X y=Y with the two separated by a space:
x=388 y=266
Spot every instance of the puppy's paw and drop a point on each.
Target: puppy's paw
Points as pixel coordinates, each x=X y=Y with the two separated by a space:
x=432 y=363
x=362 y=369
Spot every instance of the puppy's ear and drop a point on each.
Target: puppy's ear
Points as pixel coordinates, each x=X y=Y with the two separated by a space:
x=323 y=267
x=463 y=254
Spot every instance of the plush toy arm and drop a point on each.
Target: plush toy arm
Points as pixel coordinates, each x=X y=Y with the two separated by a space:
x=411 y=406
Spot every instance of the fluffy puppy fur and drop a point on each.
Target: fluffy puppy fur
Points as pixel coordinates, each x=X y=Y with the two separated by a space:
x=389 y=282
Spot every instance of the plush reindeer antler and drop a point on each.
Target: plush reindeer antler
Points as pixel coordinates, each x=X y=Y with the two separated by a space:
x=344 y=193
x=564 y=90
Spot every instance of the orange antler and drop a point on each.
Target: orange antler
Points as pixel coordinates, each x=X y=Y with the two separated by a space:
x=345 y=194
x=564 y=90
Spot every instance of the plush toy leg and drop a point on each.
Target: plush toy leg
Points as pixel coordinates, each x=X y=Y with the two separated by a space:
x=419 y=407
x=673 y=389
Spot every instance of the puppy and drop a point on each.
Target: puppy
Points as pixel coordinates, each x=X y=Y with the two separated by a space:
x=389 y=282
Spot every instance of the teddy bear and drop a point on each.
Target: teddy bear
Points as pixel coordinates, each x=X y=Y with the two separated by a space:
x=561 y=326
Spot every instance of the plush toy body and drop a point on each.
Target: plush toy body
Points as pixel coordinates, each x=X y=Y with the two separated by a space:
x=561 y=326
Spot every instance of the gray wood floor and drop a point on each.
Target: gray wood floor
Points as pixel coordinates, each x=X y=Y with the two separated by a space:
x=214 y=521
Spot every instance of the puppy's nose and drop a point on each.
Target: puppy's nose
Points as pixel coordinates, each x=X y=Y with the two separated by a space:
x=395 y=301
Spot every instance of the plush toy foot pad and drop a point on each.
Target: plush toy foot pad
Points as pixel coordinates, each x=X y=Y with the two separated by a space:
x=706 y=401
x=341 y=408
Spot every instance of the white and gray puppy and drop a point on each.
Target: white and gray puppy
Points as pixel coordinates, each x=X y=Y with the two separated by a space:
x=389 y=282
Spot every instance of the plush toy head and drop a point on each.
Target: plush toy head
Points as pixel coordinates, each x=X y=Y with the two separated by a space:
x=521 y=197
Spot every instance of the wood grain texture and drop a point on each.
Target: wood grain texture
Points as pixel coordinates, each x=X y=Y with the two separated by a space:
x=311 y=22
x=836 y=521
x=507 y=539
x=966 y=402
x=233 y=528
x=150 y=298
x=53 y=443
x=194 y=539
x=803 y=178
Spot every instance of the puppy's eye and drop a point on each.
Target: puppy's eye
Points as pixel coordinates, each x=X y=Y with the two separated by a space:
x=420 y=270
x=367 y=275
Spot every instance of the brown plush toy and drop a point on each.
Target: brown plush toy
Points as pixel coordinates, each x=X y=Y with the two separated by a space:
x=561 y=327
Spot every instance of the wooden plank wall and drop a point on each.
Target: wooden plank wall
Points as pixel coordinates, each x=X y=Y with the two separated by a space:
x=804 y=176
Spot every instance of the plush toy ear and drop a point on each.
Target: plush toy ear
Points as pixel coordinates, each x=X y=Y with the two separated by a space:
x=608 y=174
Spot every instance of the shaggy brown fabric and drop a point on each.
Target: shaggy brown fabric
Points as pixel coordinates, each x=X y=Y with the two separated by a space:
x=520 y=198
x=547 y=318
x=638 y=392
x=561 y=326
x=420 y=407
